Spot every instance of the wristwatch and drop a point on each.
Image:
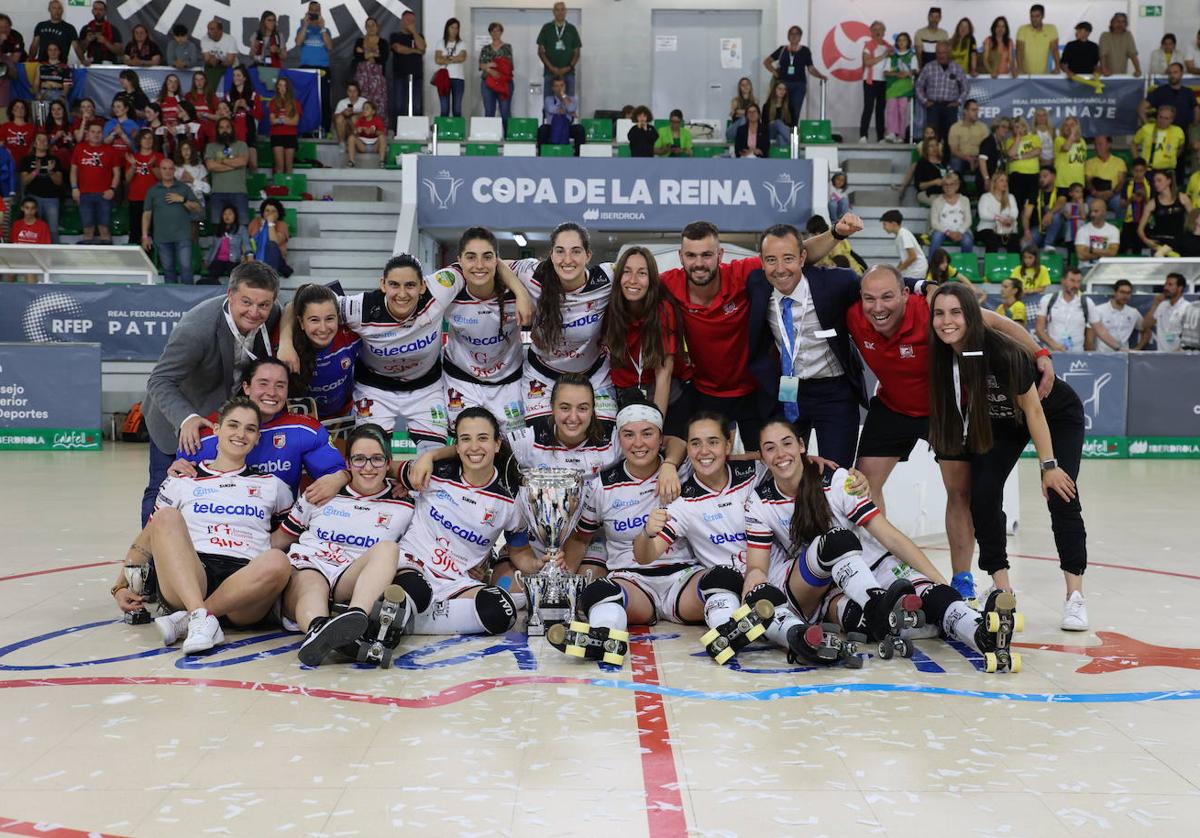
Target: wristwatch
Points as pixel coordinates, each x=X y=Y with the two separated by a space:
x=1049 y=465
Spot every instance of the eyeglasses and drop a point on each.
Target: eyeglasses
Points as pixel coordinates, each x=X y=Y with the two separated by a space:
x=360 y=460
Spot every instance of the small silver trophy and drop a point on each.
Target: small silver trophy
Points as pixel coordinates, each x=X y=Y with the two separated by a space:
x=552 y=500
x=138 y=576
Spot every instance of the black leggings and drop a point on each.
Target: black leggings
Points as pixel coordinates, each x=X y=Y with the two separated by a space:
x=990 y=470
x=1024 y=188
x=874 y=99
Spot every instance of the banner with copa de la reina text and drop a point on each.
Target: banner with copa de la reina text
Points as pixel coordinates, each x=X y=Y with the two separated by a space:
x=50 y=397
x=520 y=193
x=129 y=322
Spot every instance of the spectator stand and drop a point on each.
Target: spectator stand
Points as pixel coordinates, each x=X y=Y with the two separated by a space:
x=79 y=263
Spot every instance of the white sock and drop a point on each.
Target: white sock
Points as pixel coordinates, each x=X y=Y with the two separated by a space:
x=451 y=616
x=609 y=615
x=960 y=622
x=781 y=624
x=719 y=607
x=851 y=574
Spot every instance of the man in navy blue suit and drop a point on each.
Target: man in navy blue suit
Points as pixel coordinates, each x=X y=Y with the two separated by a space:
x=800 y=350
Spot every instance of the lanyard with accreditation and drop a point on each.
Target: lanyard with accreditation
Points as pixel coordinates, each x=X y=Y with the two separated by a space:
x=789 y=382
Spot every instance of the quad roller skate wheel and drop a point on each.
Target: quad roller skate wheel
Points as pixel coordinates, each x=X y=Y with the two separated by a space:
x=723 y=656
x=886 y=651
x=756 y=631
x=709 y=637
x=905 y=648
x=1018 y=622
x=856 y=637
x=993 y=622
x=1014 y=665
x=854 y=662
x=577 y=649
x=990 y=662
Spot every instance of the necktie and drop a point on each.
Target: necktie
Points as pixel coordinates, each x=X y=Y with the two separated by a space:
x=787 y=356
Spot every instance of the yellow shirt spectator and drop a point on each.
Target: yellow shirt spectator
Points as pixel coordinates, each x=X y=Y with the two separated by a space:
x=1193 y=188
x=1031 y=165
x=1015 y=312
x=1031 y=282
x=1035 y=47
x=1158 y=147
x=1112 y=170
x=1069 y=161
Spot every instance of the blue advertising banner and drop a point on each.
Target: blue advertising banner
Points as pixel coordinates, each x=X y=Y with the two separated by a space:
x=611 y=194
x=129 y=322
x=1110 y=110
x=1164 y=395
x=1102 y=383
x=50 y=397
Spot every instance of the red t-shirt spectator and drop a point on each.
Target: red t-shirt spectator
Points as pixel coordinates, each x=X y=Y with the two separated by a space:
x=205 y=105
x=145 y=175
x=62 y=141
x=36 y=233
x=280 y=129
x=170 y=110
x=718 y=335
x=369 y=128
x=626 y=376
x=18 y=139
x=901 y=362
x=95 y=164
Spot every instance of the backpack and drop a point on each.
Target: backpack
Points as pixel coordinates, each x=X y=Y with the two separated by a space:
x=134 y=427
x=1083 y=301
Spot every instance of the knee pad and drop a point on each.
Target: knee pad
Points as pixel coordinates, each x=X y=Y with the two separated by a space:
x=496 y=611
x=853 y=618
x=417 y=588
x=602 y=590
x=935 y=601
x=768 y=592
x=720 y=578
x=831 y=546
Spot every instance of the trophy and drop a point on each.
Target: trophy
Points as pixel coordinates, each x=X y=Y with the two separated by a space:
x=552 y=500
x=142 y=582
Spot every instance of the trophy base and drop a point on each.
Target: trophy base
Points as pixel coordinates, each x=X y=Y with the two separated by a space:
x=137 y=618
x=547 y=616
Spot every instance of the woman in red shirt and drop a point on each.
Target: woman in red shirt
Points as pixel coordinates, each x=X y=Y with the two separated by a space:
x=204 y=103
x=141 y=172
x=58 y=130
x=246 y=111
x=169 y=99
x=643 y=338
x=17 y=134
x=285 y=116
x=28 y=230
x=368 y=131
x=87 y=116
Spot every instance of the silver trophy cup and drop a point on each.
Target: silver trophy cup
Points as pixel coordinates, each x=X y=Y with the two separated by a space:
x=552 y=500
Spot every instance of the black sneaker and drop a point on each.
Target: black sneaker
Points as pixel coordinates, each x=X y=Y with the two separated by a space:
x=328 y=633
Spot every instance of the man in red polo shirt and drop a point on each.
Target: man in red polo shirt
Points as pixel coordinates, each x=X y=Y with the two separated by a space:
x=716 y=321
x=890 y=328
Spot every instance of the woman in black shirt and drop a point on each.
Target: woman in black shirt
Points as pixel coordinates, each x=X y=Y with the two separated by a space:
x=643 y=135
x=930 y=171
x=984 y=401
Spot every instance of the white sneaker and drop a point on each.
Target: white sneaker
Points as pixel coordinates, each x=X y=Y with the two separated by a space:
x=172 y=627
x=1075 y=613
x=862 y=140
x=204 y=632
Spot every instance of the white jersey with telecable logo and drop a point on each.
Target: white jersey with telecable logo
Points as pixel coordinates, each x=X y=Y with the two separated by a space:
x=712 y=523
x=348 y=525
x=477 y=344
x=619 y=504
x=583 y=317
x=228 y=513
x=537 y=446
x=401 y=350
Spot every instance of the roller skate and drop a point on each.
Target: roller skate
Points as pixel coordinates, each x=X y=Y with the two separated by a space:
x=579 y=640
x=744 y=626
x=384 y=630
x=889 y=613
x=823 y=645
x=325 y=634
x=143 y=582
x=1000 y=620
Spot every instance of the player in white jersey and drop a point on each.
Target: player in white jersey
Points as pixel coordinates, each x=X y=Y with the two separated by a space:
x=482 y=362
x=346 y=551
x=807 y=532
x=618 y=504
x=462 y=511
x=571 y=297
x=399 y=371
x=210 y=539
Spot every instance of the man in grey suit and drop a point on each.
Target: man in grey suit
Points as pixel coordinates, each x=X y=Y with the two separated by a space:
x=203 y=363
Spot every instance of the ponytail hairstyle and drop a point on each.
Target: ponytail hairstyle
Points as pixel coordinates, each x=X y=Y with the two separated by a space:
x=307 y=295
x=811 y=515
x=945 y=421
x=483 y=233
x=595 y=430
x=621 y=313
x=548 y=319
x=505 y=462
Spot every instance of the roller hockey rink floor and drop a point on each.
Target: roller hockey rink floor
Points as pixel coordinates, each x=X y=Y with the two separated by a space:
x=106 y=732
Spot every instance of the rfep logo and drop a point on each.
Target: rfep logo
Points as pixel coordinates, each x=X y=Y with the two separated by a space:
x=842 y=49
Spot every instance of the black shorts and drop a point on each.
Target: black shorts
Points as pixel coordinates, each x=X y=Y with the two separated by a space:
x=887 y=433
x=284 y=141
x=217 y=569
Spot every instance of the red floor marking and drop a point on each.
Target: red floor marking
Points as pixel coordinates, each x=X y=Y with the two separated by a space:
x=1117 y=652
x=1092 y=564
x=664 y=803
x=46 y=830
x=57 y=570
x=451 y=695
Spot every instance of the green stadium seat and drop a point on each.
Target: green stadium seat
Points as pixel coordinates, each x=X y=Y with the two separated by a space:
x=779 y=153
x=623 y=150
x=522 y=129
x=120 y=220
x=69 y=221
x=966 y=264
x=450 y=128
x=396 y=148
x=306 y=154
x=709 y=150
x=661 y=124
x=597 y=130
x=551 y=150
x=816 y=131
x=256 y=182
x=264 y=152
x=1054 y=264
x=483 y=149
x=997 y=266
x=296 y=184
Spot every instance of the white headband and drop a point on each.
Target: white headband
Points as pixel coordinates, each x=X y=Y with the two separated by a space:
x=639 y=413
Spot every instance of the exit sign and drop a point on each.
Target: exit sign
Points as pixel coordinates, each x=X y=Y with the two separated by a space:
x=1152 y=11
